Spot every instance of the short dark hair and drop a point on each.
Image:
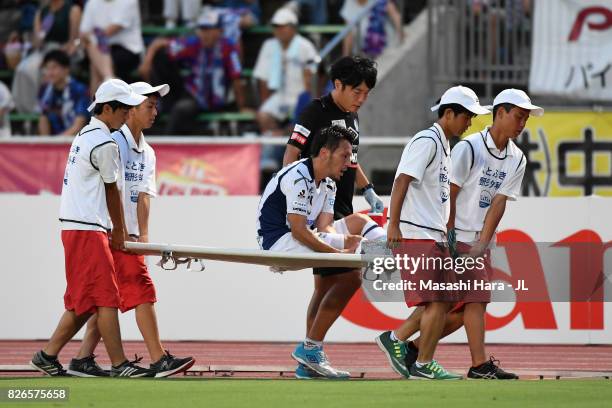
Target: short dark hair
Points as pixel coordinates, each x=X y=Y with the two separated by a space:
x=114 y=105
x=354 y=70
x=59 y=56
x=330 y=138
x=456 y=108
x=507 y=107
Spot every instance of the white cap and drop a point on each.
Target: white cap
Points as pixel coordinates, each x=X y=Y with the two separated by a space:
x=518 y=98
x=116 y=90
x=210 y=19
x=144 y=88
x=284 y=16
x=464 y=96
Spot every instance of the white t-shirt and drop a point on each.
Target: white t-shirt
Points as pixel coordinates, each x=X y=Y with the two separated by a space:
x=483 y=171
x=126 y=13
x=292 y=191
x=138 y=163
x=426 y=207
x=6 y=102
x=93 y=161
x=292 y=82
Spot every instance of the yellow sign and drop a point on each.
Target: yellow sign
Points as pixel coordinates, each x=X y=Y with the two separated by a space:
x=568 y=153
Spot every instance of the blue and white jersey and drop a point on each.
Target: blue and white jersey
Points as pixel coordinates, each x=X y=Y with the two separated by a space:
x=292 y=191
x=483 y=171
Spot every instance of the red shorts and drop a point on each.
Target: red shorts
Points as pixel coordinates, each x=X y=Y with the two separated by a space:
x=475 y=277
x=135 y=284
x=90 y=272
x=427 y=275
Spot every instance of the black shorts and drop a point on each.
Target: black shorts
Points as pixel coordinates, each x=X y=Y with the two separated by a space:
x=331 y=271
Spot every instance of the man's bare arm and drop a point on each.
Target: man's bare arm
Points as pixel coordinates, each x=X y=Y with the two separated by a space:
x=292 y=154
x=300 y=232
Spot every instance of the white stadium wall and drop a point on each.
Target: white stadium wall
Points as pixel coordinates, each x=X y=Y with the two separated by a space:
x=245 y=302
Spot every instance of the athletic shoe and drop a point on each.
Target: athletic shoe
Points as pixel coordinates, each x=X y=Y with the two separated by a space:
x=395 y=352
x=490 y=371
x=86 y=367
x=169 y=365
x=412 y=353
x=48 y=366
x=432 y=371
x=304 y=373
x=130 y=369
x=315 y=359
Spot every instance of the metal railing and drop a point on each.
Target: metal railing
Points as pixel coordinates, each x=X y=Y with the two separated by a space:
x=483 y=43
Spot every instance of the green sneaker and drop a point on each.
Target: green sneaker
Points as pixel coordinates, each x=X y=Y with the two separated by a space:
x=432 y=371
x=395 y=352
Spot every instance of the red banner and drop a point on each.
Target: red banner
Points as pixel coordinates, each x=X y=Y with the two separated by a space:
x=182 y=169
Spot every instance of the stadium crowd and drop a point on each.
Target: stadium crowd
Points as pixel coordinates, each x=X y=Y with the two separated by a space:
x=216 y=53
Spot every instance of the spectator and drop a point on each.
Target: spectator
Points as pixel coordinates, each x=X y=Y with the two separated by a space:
x=62 y=100
x=201 y=67
x=6 y=105
x=312 y=11
x=56 y=25
x=190 y=9
x=111 y=33
x=284 y=70
x=237 y=15
x=374 y=31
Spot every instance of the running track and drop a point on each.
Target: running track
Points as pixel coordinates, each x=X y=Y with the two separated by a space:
x=531 y=359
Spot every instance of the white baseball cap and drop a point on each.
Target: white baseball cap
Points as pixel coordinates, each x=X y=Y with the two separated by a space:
x=464 y=96
x=116 y=90
x=518 y=98
x=284 y=16
x=144 y=88
x=210 y=19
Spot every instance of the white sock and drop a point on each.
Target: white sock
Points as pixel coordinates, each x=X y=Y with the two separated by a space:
x=310 y=343
x=372 y=231
x=393 y=336
x=419 y=365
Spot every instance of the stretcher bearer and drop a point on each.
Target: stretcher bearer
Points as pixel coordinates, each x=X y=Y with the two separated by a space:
x=419 y=212
x=488 y=169
x=135 y=285
x=296 y=215
x=90 y=205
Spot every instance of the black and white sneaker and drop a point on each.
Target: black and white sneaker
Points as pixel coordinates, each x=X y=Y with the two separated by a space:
x=86 y=367
x=412 y=352
x=130 y=369
x=48 y=366
x=490 y=371
x=169 y=365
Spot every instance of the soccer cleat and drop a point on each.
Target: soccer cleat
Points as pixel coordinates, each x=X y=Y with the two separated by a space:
x=304 y=373
x=315 y=359
x=432 y=371
x=490 y=371
x=169 y=365
x=130 y=369
x=395 y=352
x=412 y=353
x=48 y=366
x=86 y=367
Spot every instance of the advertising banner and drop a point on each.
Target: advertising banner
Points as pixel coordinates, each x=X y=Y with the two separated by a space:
x=572 y=49
x=568 y=153
x=182 y=169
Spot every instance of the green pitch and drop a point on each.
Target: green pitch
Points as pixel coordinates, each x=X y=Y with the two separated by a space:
x=183 y=392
